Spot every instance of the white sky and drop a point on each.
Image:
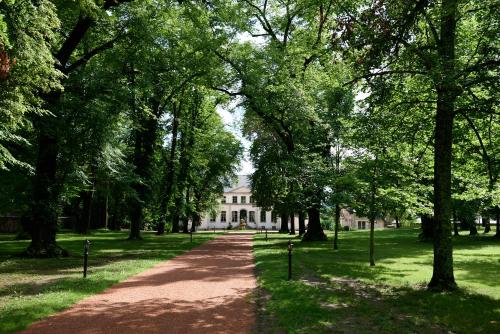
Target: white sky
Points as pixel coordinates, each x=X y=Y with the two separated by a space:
x=232 y=117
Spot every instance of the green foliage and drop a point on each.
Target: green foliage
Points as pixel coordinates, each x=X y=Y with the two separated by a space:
x=27 y=34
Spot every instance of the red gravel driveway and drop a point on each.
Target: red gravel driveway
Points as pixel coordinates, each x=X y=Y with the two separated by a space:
x=206 y=290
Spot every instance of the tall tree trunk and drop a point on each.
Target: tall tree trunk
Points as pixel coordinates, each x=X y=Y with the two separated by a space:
x=284 y=223
x=186 y=213
x=45 y=198
x=314 y=230
x=292 y=223
x=196 y=221
x=455 y=223
x=497 y=234
x=302 y=223
x=44 y=205
x=145 y=142
x=372 y=242
x=398 y=224
x=84 y=226
x=427 y=226
x=169 y=178
x=187 y=142
x=175 y=222
x=372 y=213
x=337 y=225
x=472 y=227
x=443 y=278
x=487 y=224
x=106 y=207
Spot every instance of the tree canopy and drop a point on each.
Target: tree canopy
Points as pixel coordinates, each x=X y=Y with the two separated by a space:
x=108 y=114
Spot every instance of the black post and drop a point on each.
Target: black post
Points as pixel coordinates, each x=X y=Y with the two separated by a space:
x=290 y=247
x=266 y=234
x=86 y=246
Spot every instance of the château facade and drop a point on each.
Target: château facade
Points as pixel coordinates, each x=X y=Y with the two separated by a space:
x=237 y=206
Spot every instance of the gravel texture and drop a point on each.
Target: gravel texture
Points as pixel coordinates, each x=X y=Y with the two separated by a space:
x=206 y=290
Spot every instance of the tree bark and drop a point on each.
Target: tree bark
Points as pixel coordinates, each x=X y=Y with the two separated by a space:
x=145 y=142
x=455 y=223
x=472 y=227
x=186 y=214
x=337 y=225
x=443 y=278
x=284 y=223
x=169 y=179
x=292 y=223
x=398 y=224
x=427 y=226
x=372 y=242
x=196 y=221
x=83 y=227
x=302 y=223
x=44 y=206
x=497 y=234
x=314 y=230
x=187 y=142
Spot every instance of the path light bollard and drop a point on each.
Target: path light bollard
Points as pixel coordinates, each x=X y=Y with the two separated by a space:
x=290 y=248
x=86 y=247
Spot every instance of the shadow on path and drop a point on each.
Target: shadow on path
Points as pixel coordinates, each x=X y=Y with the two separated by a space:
x=206 y=290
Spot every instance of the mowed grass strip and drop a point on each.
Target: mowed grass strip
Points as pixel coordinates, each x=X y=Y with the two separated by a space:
x=337 y=291
x=32 y=289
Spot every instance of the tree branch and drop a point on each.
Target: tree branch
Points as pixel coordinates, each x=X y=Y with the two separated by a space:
x=383 y=73
x=86 y=57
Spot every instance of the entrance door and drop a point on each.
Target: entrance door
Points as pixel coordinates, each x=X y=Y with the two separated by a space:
x=243 y=215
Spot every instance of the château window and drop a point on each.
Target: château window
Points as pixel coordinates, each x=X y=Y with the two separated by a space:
x=234 y=216
x=263 y=216
x=223 y=216
x=212 y=217
x=235 y=199
x=243 y=199
x=223 y=200
x=274 y=216
x=251 y=200
x=251 y=217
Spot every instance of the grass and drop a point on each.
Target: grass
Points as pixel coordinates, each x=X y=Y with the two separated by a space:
x=337 y=291
x=32 y=289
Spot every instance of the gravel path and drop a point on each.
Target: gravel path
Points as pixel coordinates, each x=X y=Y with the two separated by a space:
x=206 y=290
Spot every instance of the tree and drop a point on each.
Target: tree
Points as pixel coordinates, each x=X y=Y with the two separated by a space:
x=28 y=31
x=45 y=190
x=431 y=41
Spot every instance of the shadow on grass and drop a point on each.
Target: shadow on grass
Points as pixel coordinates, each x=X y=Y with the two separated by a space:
x=34 y=288
x=312 y=306
x=336 y=291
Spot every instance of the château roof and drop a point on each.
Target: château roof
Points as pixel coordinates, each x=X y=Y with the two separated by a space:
x=242 y=181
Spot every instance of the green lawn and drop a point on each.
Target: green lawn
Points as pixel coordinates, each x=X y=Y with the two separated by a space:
x=31 y=289
x=337 y=291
